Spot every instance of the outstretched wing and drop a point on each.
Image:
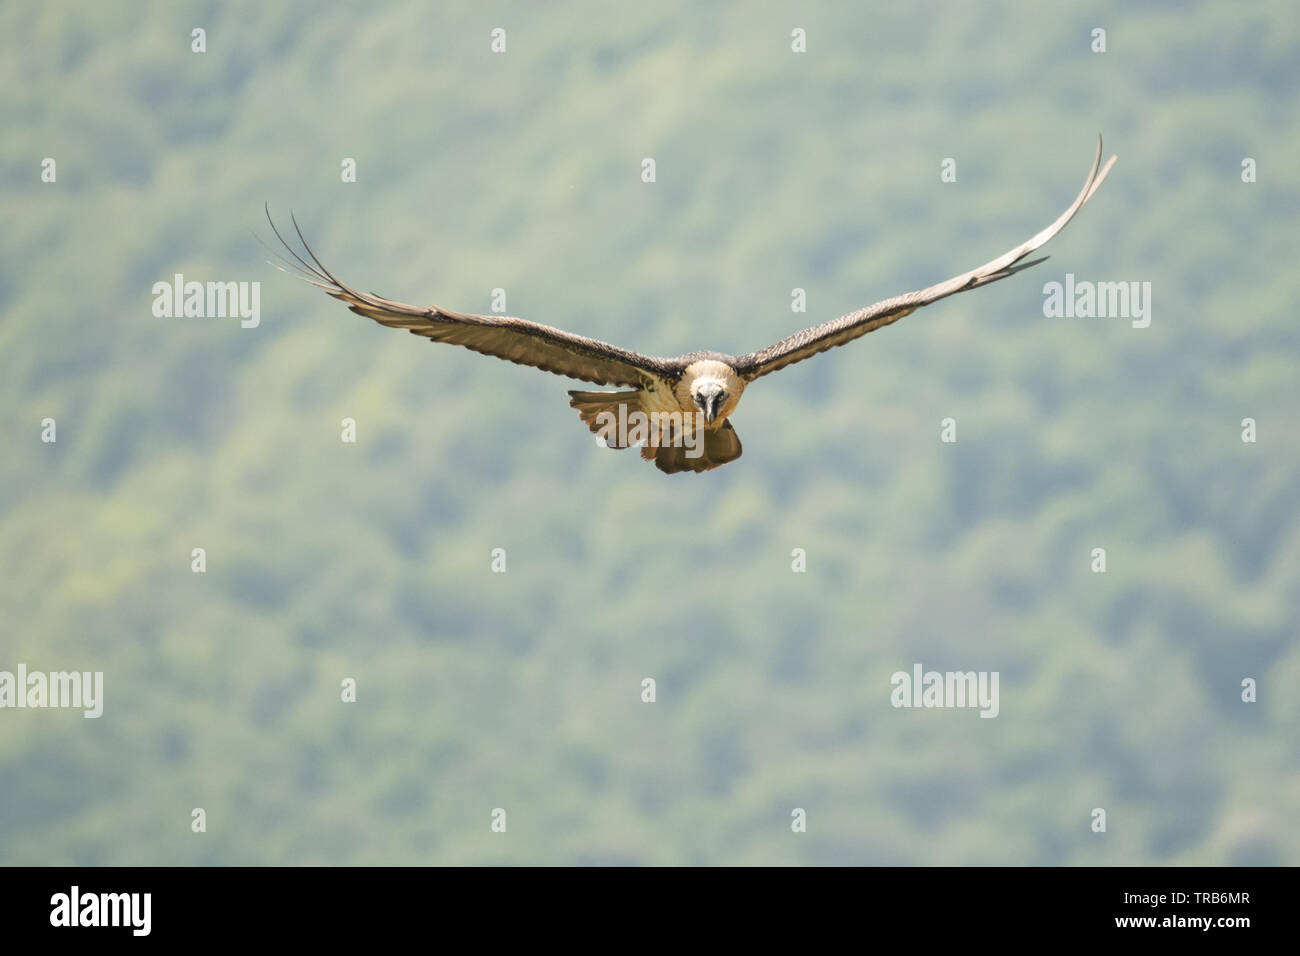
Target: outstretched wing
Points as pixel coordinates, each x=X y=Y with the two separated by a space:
x=809 y=342
x=515 y=340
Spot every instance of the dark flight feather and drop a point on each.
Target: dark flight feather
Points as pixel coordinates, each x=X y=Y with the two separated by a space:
x=515 y=340
x=846 y=328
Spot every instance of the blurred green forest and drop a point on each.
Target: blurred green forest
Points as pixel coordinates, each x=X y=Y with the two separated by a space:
x=775 y=170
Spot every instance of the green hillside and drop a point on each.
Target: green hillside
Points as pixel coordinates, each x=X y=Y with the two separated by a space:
x=774 y=171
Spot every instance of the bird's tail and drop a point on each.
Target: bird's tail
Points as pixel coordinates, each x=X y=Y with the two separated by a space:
x=672 y=446
x=720 y=445
x=601 y=412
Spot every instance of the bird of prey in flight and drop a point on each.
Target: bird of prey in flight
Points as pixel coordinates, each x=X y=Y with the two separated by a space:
x=691 y=396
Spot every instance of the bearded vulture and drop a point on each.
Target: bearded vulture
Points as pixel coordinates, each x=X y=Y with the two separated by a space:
x=675 y=409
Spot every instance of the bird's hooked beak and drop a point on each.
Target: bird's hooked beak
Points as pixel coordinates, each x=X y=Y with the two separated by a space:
x=710 y=398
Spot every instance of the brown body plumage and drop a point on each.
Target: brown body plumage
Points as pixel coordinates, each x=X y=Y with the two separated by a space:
x=701 y=389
